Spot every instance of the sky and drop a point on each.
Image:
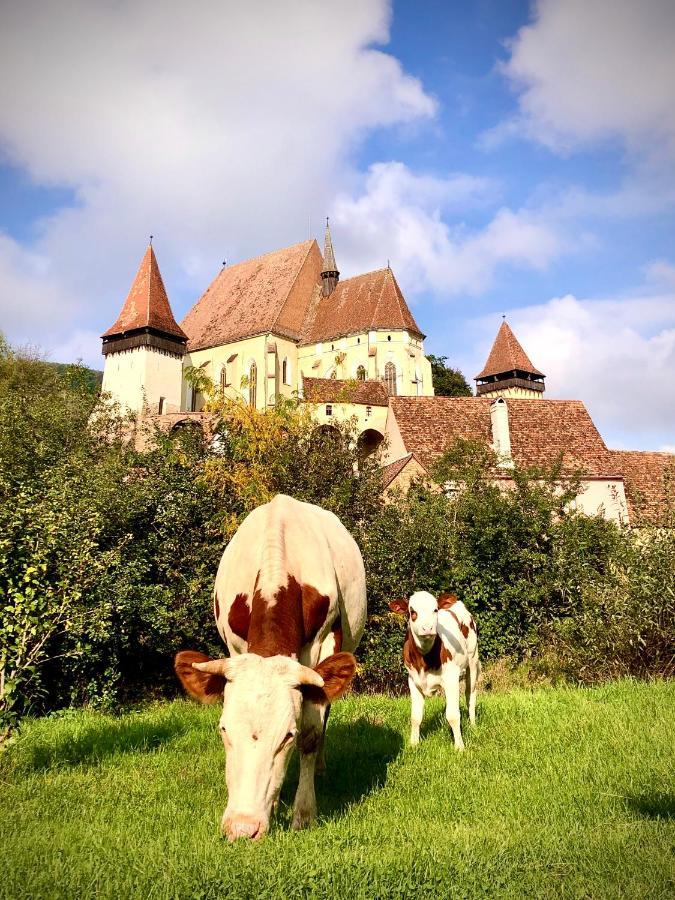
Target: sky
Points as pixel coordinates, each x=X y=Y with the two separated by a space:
x=507 y=158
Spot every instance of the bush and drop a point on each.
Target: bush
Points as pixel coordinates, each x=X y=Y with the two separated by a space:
x=108 y=555
x=627 y=625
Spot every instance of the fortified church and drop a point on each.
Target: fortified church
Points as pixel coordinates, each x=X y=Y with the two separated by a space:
x=284 y=325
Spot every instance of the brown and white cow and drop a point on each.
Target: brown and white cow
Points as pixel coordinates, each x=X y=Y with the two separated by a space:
x=441 y=645
x=290 y=603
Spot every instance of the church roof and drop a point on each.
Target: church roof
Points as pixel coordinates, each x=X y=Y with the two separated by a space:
x=337 y=390
x=649 y=482
x=268 y=293
x=363 y=303
x=539 y=431
x=147 y=305
x=507 y=356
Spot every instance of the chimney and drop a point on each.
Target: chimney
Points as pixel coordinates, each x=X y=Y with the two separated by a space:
x=501 y=438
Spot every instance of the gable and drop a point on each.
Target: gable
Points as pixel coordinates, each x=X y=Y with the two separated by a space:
x=270 y=293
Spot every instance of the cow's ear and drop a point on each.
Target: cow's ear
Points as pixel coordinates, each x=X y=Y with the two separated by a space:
x=205 y=686
x=337 y=672
x=400 y=607
x=445 y=601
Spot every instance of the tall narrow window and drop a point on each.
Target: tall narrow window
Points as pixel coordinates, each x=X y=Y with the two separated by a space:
x=390 y=378
x=223 y=378
x=253 y=385
x=160 y=409
x=284 y=371
x=361 y=373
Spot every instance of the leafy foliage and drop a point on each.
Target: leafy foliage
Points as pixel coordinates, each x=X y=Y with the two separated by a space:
x=108 y=553
x=447 y=382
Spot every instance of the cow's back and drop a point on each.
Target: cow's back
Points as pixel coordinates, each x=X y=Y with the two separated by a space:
x=283 y=546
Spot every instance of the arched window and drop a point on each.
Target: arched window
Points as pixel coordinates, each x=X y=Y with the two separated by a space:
x=390 y=378
x=361 y=373
x=284 y=371
x=223 y=378
x=253 y=385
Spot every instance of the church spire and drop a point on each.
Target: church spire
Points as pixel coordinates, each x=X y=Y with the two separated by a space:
x=508 y=371
x=329 y=275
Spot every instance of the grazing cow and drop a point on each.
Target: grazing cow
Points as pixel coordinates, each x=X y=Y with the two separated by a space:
x=441 y=645
x=290 y=603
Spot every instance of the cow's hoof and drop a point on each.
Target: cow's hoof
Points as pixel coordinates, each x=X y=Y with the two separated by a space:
x=302 y=818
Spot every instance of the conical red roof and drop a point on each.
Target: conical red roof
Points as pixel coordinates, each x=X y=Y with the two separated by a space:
x=147 y=305
x=507 y=356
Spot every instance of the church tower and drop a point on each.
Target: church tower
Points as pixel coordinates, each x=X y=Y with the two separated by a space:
x=329 y=274
x=508 y=371
x=145 y=347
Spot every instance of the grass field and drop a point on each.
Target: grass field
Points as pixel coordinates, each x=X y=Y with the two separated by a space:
x=559 y=793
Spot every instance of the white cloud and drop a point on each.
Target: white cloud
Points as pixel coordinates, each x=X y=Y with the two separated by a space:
x=591 y=71
x=404 y=212
x=617 y=355
x=220 y=130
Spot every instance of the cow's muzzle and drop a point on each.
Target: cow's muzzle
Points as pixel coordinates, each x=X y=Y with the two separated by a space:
x=242 y=826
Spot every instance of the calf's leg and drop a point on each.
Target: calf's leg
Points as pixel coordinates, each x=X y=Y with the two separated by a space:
x=472 y=674
x=451 y=689
x=416 y=712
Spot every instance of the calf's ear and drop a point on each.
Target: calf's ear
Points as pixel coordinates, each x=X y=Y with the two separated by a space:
x=337 y=672
x=445 y=601
x=205 y=686
x=400 y=607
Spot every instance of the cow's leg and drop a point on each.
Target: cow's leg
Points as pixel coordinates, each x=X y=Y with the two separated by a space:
x=304 y=808
x=470 y=688
x=321 y=756
x=416 y=712
x=451 y=689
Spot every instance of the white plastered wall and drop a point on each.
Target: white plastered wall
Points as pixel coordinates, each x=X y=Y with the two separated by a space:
x=138 y=378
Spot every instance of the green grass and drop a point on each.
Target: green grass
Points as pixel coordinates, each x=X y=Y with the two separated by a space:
x=559 y=793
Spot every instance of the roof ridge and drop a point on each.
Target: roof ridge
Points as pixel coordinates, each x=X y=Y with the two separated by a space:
x=251 y=259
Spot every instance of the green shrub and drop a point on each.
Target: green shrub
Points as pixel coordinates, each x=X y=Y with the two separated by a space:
x=627 y=625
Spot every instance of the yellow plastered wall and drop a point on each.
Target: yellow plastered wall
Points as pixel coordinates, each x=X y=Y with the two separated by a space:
x=342 y=357
x=365 y=417
x=267 y=351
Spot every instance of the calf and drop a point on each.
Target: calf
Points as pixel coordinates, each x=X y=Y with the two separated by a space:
x=441 y=645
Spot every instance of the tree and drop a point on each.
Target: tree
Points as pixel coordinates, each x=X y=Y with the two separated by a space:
x=448 y=382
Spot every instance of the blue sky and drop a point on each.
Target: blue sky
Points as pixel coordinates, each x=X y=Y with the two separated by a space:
x=507 y=157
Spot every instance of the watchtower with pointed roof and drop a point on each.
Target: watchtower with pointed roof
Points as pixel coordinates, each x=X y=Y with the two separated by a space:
x=144 y=349
x=508 y=371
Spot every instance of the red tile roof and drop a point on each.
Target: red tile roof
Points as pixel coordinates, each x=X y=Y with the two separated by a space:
x=393 y=469
x=363 y=303
x=507 y=355
x=540 y=430
x=336 y=390
x=649 y=481
x=147 y=305
x=270 y=293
